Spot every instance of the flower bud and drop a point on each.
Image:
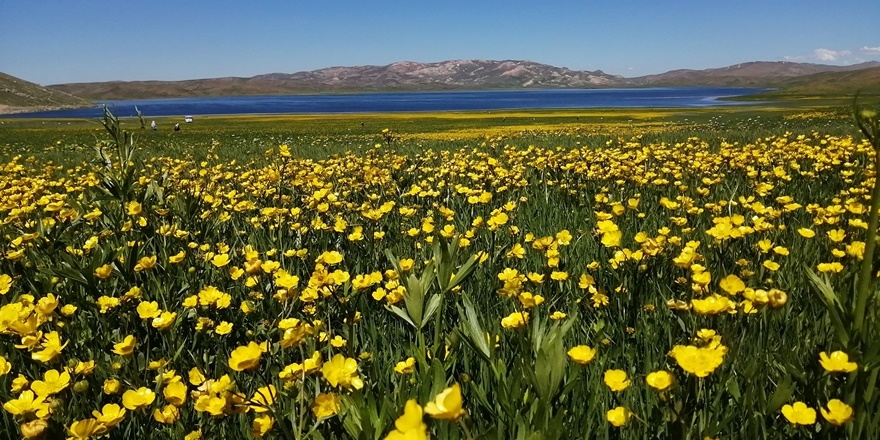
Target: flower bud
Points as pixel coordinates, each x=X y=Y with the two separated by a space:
x=81 y=386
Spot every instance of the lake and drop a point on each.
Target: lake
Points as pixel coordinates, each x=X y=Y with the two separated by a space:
x=413 y=102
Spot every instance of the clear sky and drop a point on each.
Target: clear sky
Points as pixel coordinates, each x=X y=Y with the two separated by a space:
x=59 y=41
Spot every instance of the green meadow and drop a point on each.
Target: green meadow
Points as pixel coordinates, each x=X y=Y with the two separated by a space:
x=535 y=275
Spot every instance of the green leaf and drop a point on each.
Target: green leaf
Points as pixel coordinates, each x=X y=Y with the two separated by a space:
x=832 y=304
x=462 y=273
x=473 y=330
x=401 y=314
x=733 y=389
x=780 y=396
x=433 y=306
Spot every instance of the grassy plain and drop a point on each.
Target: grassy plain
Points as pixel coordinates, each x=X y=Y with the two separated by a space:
x=319 y=136
x=612 y=274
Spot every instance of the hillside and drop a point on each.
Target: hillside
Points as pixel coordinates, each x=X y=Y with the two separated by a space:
x=401 y=76
x=792 y=78
x=752 y=74
x=18 y=95
x=832 y=84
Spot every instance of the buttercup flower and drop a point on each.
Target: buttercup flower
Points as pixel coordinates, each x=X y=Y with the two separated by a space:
x=409 y=426
x=837 y=413
x=582 y=354
x=838 y=362
x=245 y=357
x=618 y=416
x=616 y=380
x=447 y=405
x=799 y=414
x=660 y=380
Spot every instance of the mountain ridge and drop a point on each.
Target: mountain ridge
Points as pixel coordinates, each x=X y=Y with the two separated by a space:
x=468 y=75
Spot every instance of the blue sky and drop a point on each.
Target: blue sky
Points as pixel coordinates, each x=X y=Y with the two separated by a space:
x=58 y=41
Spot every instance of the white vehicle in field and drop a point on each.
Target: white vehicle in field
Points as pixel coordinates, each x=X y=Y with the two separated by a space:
x=187 y=119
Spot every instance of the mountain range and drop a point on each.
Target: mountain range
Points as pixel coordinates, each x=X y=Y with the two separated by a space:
x=455 y=75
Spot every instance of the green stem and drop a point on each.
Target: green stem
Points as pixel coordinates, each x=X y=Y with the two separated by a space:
x=863 y=292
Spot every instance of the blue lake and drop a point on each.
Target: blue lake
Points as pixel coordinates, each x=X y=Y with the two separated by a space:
x=413 y=102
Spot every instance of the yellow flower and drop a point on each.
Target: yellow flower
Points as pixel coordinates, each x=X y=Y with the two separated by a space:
x=407 y=366
x=53 y=383
x=110 y=415
x=713 y=305
x=838 y=362
x=5 y=366
x=582 y=354
x=245 y=357
x=834 y=267
x=447 y=405
x=224 y=328
x=342 y=372
x=33 y=429
x=806 y=232
x=515 y=320
x=148 y=310
x=326 y=405
x=145 y=263
x=838 y=412
x=5 y=284
x=262 y=425
x=86 y=428
x=409 y=426
x=167 y=416
x=164 y=321
x=611 y=238
x=126 y=347
x=330 y=258
x=133 y=208
x=263 y=398
x=732 y=284
x=104 y=272
x=177 y=258
x=137 y=399
x=616 y=380
x=557 y=315
x=175 y=393
x=771 y=265
x=700 y=361
x=799 y=414
x=51 y=348
x=220 y=260
x=27 y=403
x=660 y=380
x=338 y=341
x=618 y=416
x=111 y=386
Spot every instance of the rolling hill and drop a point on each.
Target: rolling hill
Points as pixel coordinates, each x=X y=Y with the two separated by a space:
x=18 y=96
x=790 y=80
x=752 y=74
x=401 y=76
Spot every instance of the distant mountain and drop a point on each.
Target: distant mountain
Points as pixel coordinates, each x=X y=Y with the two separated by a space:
x=756 y=73
x=18 y=95
x=401 y=76
x=479 y=75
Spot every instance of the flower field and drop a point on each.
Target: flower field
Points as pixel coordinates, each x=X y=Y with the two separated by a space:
x=628 y=289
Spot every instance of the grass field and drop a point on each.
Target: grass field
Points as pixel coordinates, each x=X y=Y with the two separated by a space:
x=613 y=274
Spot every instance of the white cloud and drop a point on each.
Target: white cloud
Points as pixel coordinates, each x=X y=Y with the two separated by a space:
x=793 y=58
x=867 y=49
x=830 y=55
